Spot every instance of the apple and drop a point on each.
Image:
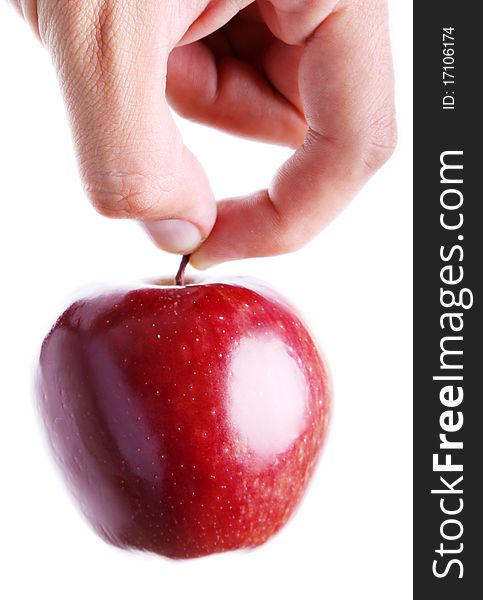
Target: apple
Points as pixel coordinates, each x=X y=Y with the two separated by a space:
x=187 y=419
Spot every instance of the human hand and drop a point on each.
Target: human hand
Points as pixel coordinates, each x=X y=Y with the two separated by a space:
x=312 y=74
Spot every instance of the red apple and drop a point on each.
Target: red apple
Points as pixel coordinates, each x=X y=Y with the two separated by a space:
x=187 y=419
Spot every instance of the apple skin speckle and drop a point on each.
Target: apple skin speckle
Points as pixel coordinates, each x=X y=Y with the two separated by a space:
x=186 y=420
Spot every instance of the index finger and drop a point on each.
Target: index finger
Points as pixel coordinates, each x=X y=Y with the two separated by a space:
x=346 y=87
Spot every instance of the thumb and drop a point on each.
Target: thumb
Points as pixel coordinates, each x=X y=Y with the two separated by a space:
x=111 y=61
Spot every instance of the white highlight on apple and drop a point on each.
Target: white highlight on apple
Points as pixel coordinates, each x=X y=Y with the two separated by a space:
x=268 y=395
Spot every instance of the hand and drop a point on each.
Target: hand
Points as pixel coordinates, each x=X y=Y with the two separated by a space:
x=312 y=74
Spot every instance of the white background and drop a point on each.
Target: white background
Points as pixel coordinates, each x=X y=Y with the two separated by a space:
x=352 y=536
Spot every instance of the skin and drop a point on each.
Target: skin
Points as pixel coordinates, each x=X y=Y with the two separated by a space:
x=315 y=75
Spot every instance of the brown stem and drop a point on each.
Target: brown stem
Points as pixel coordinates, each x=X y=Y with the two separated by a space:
x=179 y=279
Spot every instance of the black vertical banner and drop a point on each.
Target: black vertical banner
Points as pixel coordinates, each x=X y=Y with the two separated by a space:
x=448 y=253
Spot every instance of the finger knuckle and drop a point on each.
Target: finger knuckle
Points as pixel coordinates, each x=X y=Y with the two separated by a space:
x=120 y=194
x=289 y=236
x=380 y=140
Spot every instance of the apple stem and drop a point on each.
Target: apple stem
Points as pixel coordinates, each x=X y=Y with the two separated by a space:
x=179 y=279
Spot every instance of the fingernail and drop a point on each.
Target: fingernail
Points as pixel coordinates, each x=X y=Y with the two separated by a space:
x=174 y=235
x=198 y=261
